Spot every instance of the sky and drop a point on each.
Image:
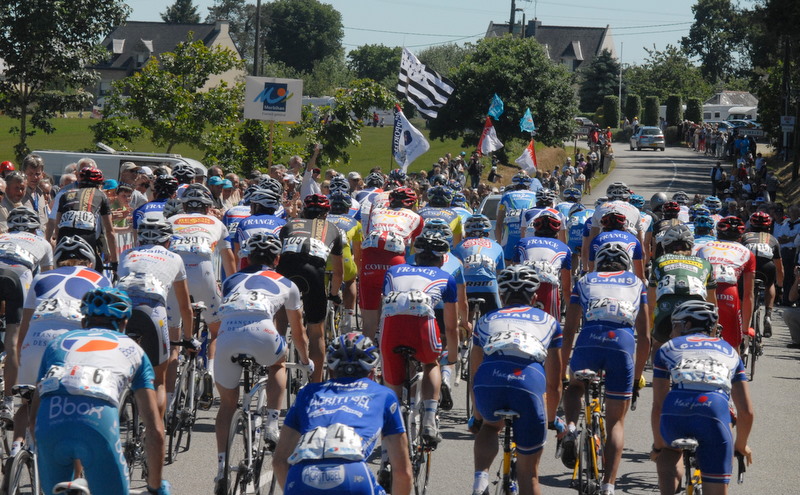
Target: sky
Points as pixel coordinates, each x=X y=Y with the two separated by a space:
x=417 y=24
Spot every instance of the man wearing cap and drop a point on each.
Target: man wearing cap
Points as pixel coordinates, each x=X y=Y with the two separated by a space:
x=356 y=182
x=128 y=174
x=215 y=185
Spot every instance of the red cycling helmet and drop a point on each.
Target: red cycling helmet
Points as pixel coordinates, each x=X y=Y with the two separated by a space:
x=91 y=176
x=760 y=220
x=670 y=209
x=613 y=220
x=402 y=196
x=6 y=166
x=317 y=201
x=546 y=223
x=730 y=228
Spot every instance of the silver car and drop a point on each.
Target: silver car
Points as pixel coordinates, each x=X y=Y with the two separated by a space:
x=647 y=137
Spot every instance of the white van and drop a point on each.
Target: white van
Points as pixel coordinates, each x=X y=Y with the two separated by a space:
x=109 y=162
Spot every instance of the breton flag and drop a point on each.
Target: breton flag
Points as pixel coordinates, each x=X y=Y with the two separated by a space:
x=527 y=159
x=423 y=87
x=488 y=141
x=407 y=142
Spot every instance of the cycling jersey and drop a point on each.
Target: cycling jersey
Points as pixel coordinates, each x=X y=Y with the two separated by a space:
x=368 y=192
x=410 y=294
x=646 y=222
x=81 y=381
x=626 y=240
x=659 y=229
x=351 y=231
x=26 y=250
x=515 y=342
x=549 y=257
x=513 y=204
x=766 y=249
x=445 y=213
x=702 y=240
x=345 y=416
x=677 y=278
x=81 y=210
x=232 y=218
x=633 y=217
x=611 y=302
x=462 y=213
x=370 y=204
x=575 y=227
x=257 y=224
x=563 y=209
x=55 y=299
x=530 y=215
x=153 y=209
x=702 y=371
x=482 y=258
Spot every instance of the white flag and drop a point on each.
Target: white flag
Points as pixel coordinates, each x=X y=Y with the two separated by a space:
x=423 y=87
x=407 y=142
x=527 y=160
x=489 y=141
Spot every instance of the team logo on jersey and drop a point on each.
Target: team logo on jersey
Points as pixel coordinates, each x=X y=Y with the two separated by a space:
x=90 y=275
x=514 y=310
x=89 y=344
x=609 y=274
x=194 y=220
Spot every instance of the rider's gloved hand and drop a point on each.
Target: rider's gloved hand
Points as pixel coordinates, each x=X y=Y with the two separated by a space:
x=193 y=344
x=112 y=266
x=335 y=299
x=164 y=489
x=559 y=425
x=308 y=367
x=474 y=424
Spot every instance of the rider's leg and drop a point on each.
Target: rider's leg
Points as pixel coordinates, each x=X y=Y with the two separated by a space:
x=228 y=400
x=484 y=452
x=572 y=401
x=615 y=437
x=528 y=473
x=161 y=391
x=316 y=347
x=670 y=470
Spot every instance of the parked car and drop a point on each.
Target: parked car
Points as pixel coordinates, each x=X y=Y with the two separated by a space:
x=647 y=137
x=488 y=207
x=584 y=121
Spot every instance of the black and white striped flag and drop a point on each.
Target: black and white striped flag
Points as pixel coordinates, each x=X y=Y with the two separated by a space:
x=423 y=87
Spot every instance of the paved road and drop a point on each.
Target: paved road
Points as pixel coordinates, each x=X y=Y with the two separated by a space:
x=774 y=441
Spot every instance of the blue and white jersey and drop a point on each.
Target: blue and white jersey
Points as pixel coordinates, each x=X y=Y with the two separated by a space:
x=55 y=296
x=366 y=192
x=701 y=241
x=417 y=290
x=153 y=209
x=258 y=224
x=517 y=331
x=632 y=214
x=95 y=363
x=609 y=298
x=462 y=213
x=232 y=217
x=452 y=265
x=369 y=410
x=549 y=256
x=575 y=226
x=626 y=240
x=257 y=292
x=482 y=259
x=563 y=209
x=647 y=222
x=514 y=204
x=699 y=363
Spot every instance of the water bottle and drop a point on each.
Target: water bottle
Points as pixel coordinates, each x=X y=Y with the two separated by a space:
x=258 y=422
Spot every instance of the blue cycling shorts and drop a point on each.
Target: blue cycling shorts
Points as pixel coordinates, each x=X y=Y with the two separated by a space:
x=511 y=247
x=332 y=478
x=70 y=427
x=704 y=416
x=611 y=349
x=508 y=383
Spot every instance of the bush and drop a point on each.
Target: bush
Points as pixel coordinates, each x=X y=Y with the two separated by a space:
x=651 y=104
x=610 y=111
x=671 y=135
x=622 y=135
x=633 y=107
x=674 y=109
x=694 y=110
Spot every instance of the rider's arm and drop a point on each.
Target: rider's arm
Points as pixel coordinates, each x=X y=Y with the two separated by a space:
x=27 y=314
x=747 y=301
x=651 y=299
x=574 y=314
x=711 y=296
x=740 y=393
x=553 y=373
x=397 y=447
x=451 y=328
x=475 y=360
x=111 y=243
x=185 y=305
x=498 y=226
x=566 y=281
x=338 y=273
x=638 y=268
x=463 y=307
x=642 y=341
x=154 y=440
x=646 y=247
x=280 y=459
x=299 y=336
x=660 y=390
x=228 y=261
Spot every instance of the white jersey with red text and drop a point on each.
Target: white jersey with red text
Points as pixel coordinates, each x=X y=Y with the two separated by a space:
x=633 y=217
x=392 y=229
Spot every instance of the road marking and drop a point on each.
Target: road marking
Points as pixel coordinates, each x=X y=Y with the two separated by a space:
x=674 y=174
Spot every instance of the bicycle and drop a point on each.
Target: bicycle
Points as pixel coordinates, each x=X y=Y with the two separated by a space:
x=23 y=475
x=694 y=479
x=466 y=351
x=131 y=432
x=419 y=450
x=507 y=474
x=588 y=472
x=75 y=487
x=753 y=349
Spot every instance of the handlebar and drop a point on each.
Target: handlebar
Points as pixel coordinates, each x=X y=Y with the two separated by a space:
x=742 y=468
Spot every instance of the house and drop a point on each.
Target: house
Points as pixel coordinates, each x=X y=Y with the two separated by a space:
x=572 y=46
x=726 y=105
x=132 y=44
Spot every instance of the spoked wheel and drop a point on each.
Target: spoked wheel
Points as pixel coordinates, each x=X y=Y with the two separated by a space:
x=237 y=475
x=132 y=436
x=421 y=467
x=175 y=418
x=587 y=485
x=23 y=475
x=266 y=482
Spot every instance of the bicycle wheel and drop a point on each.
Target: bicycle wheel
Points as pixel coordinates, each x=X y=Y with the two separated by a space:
x=755 y=343
x=587 y=484
x=237 y=475
x=131 y=430
x=175 y=416
x=23 y=475
x=421 y=467
x=265 y=481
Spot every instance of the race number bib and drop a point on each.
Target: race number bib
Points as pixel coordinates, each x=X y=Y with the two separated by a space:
x=86 y=381
x=612 y=310
x=513 y=217
x=706 y=374
x=247 y=301
x=337 y=441
x=388 y=241
x=82 y=220
x=413 y=303
x=13 y=252
x=670 y=285
x=477 y=262
x=143 y=285
x=515 y=343
x=725 y=274
x=194 y=244
x=762 y=250
x=306 y=245
x=58 y=309
x=548 y=272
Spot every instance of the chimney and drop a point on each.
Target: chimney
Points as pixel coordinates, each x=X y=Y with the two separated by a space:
x=533 y=27
x=222 y=26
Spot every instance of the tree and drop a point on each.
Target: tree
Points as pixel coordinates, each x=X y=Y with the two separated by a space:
x=521 y=73
x=694 y=110
x=181 y=12
x=715 y=37
x=674 y=110
x=633 y=107
x=46 y=46
x=611 y=111
x=445 y=58
x=666 y=73
x=241 y=24
x=377 y=62
x=651 y=105
x=169 y=99
x=598 y=80
x=302 y=32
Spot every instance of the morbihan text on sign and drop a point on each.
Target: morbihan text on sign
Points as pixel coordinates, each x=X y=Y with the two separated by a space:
x=270 y=98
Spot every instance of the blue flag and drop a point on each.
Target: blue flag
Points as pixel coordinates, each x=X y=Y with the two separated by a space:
x=526 y=122
x=496 y=108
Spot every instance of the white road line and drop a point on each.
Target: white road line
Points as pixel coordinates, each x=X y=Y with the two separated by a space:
x=674 y=174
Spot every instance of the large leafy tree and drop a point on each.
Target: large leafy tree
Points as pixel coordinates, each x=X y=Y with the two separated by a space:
x=665 y=73
x=46 y=46
x=521 y=73
x=445 y=58
x=302 y=32
x=715 y=37
x=598 y=80
x=181 y=12
x=377 y=62
x=169 y=100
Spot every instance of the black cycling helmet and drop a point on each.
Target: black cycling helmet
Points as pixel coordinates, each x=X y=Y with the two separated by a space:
x=431 y=243
x=730 y=228
x=702 y=316
x=352 y=354
x=438 y=180
x=340 y=203
x=73 y=247
x=375 y=179
x=440 y=196
x=183 y=173
x=398 y=175
x=519 y=280
x=612 y=254
x=165 y=186
x=23 y=219
x=263 y=246
x=153 y=230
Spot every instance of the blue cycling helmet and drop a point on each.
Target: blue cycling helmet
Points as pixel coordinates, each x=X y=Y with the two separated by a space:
x=577 y=207
x=440 y=196
x=705 y=223
x=107 y=302
x=454 y=185
x=352 y=354
x=477 y=226
x=572 y=194
x=397 y=175
x=521 y=179
x=438 y=225
x=713 y=203
x=698 y=211
x=637 y=200
x=459 y=200
x=340 y=202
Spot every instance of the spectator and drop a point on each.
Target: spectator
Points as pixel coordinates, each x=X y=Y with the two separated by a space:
x=128 y=174
x=475 y=169
x=311 y=173
x=33 y=168
x=791 y=316
x=144 y=179
x=717 y=178
x=215 y=185
x=215 y=171
x=15 y=193
x=228 y=194
x=5 y=168
x=786 y=233
x=2 y=188
x=356 y=182
x=773 y=184
x=580 y=180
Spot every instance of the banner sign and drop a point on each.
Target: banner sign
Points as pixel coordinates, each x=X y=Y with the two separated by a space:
x=270 y=98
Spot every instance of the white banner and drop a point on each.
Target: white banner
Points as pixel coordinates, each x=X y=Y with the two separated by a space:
x=269 y=98
x=408 y=143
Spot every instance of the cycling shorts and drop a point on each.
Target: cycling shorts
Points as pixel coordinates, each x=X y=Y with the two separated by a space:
x=174 y=318
x=148 y=326
x=202 y=280
x=332 y=478
x=491 y=301
x=510 y=248
x=516 y=384
x=12 y=291
x=38 y=336
x=730 y=314
x=766 y=273
x=374 y=264
x=255 y=337
x=601 y=347
x=418 y=332
x=308 y=274
x=72 y=427
x=704 y=416
x=548 y=298
x=662 y=327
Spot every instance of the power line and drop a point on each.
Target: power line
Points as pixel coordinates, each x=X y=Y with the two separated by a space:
x=652 y=32
x=401 y=32
x=653 y=25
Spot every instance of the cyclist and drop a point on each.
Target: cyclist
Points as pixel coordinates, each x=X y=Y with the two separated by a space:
x=613 y=223
x=703 y=231
x=647 y=220
x=343 y=417
x=165 y=187
x=677 y=276
x=276 y=186
x=235 y=214
x=577 y=218
x=544 y=201
x=251 y=298
x=669 y=218
x=262 y=219
x=86 y=212
x=769 y=267
x=439 y=199
x=351 y=252
x=695 y=375
x=483 y=259
x=732 y=262
x=373 y=184
x=613 y=302
x=339 y=183
x=570 y=196
x=516 y=199
x=682 y=199
x=551 y=258
x=185 y=175
x=308 y=243
x=391 y=231
x=696 y=211
x=410 y=294
x=461 y=206
x=516 y=365
x=81 y=380
x=619 y=196
x=714 y=205
x=153 y=277
x=656 y=203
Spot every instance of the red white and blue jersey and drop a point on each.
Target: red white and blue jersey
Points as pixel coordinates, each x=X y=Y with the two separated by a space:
x=417 y=290
x=256 y=292
x=575 y=227
x=258 y=224
x=517 y=331
x=153 y=209
x=57 y=294
x=699 y=362
x=626 y=240
x=369 y=192
x=482 y=259
x=452 y=265
x=549 y=255
x=530 y=215
x=232 y=217
x=609 y=298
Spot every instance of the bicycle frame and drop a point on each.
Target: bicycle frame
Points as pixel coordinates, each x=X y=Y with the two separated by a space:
x=592 y=439
x=688 y=447
x=508 y=475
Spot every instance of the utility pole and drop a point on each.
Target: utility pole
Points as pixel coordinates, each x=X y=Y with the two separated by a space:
x=619 y=97
x=257 y=46
x=513 y=11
